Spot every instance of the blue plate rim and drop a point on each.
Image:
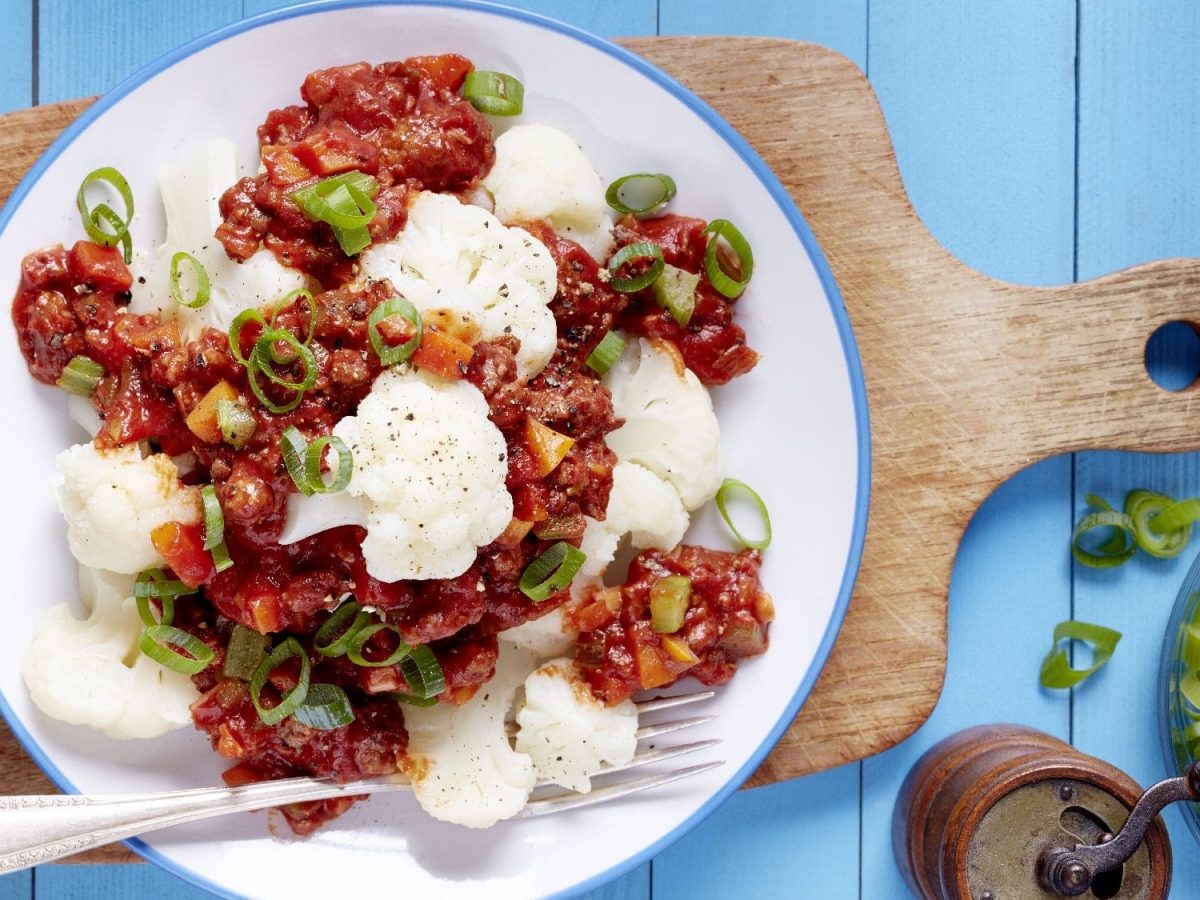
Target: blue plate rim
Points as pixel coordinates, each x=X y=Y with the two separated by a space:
x=774 y=188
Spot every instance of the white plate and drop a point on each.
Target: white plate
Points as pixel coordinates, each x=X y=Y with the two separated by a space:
x=795 y=428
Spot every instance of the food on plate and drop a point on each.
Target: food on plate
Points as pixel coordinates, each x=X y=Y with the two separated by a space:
x=368 y=429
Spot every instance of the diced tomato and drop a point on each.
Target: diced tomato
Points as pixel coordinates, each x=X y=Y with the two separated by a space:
x=135 y=412
x=442 y=354
x=102 y=268
x=448 y=70
x=330 y=151
x=682 y=238
x=182 y=546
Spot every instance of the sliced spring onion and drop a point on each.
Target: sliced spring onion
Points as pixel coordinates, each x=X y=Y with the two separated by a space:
x=158 y=643
x=414 y=700
x=155 y=583
x=344 y=202
x=643 y=251
x=102 y=214
x=214 y=528
x=670 y=598
x=290 y=701
x=245 y=651
x=333 y=638
x=494 y=93
x=640 y=193
x=325 y=708
x=1121 y=543
x=675 y=291
x=552 y=571
x=1056 y=667
x=220 y=557
x=236 y=423
x=358 y=640
x=80 y=376
x=240 y=321
x=266 y=355
x=303 y=461
x=1143 y=508
x=730 y=486
x=389 y=355
x=423 y=673
x=610 y=348
x=203 y=287
x=292 y=297
x=1189 y=690
x=725 y=283
x=1177 y=517
x=146 y=611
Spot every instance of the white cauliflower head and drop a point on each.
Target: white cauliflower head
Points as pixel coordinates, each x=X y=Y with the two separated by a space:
x=541 y=173
x=113 y=499
x=463 y=767
x=90 y=672
x=642 y=505
x=567 y=732
x=429 y=473
x=670 y=427
x=462 y=258
x=191 y=191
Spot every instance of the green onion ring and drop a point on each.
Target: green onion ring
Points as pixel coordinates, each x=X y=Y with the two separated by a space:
x=325 y=708
x=102 y=212
x=1117 y=549
x=423 y=673
x=146 y=612
x=240 y=321
x=552 y=571
x=731 y=485
x=303 y=461
x=1056 y=667
x=357 y=641
x=414 y=700
x=605 y=353
x=261 y=362
x=344 y=202
x=656 y=188
x=389 y=355
x=331 y=639
x=236 y=423
x=154 y=583
x=80 y=376
x=156 y=642
x=292 y=297
x=1177 y=516
x=1143 y=507
x=214 y=518
x=726 y=284
x=203 y=286
x=675 y=291
x=494 y=93
x=643 y=250
x=293 y=698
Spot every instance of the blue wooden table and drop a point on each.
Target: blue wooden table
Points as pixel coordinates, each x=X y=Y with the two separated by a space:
x=1042 y=141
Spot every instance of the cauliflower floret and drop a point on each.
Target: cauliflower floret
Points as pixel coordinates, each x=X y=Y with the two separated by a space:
x=541 y=173
x=429 y=472
x=113 y=499
x=670 y=427
x=567 y=732
x=641 y=505
x=462 y=765
x=459 y=257
x=90 y=672
x=191 y=191
x=544 y=638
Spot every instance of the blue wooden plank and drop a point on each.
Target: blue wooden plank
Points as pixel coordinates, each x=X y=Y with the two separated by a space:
x=840 y=24
x=797 y=838
x=86 y=50
x=980 y=101
x=606 y=17
x=633 y=886
x=1000 y=614
x=1139 y=133
x=18 y=886
x=16 y=55
x=86 y=882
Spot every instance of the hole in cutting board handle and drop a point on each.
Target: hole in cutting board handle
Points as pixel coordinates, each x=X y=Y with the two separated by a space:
x=1173 y=356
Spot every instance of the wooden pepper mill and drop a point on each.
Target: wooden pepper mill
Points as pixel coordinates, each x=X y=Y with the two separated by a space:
x=1003 y=812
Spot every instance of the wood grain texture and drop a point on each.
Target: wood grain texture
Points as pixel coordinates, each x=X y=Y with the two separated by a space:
x=969 y=379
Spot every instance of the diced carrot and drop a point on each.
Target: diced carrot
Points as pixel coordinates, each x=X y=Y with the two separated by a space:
x=202 y=421
x=547 y=445
x=592 y=617
x=283 y=169
x=651 y=667
x=514 y=532
x=103 y=268
x=182 y=546
x=330 y=152
x=442 y=354
x=678 y=649
x=265 y=613
x=448 y=70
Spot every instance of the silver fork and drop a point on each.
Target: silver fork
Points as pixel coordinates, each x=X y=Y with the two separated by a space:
x=35 y=829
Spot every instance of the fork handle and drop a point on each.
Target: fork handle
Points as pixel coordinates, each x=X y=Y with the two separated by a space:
x=35 y=829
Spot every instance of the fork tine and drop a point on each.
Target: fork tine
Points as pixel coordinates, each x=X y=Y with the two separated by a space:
x=646 y=757
x=573 y=800
x=657 y=703
x=649 y=731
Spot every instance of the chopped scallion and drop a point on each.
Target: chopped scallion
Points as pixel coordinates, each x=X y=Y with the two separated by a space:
x=159 y=642
x=675 y=291
x=245 y=651
x=494 y=93
x=388 y=354
x=95 y=218
x=423 y=673
x=640 y=193
x=333 y=637
x=203 y=287
x=610 y=348
x=358 y=641
x=729 y=285
x=292 y=699
x=80 y=376
x=552 y=571
x=1056 y=667
x=731 y=486
x=641 y=252
x=344 y=202
x=236 y=423
x=303 y=461
x=325 y=708
x=670 y=597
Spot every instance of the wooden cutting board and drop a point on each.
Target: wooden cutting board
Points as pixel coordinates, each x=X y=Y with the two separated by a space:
x=969 y=379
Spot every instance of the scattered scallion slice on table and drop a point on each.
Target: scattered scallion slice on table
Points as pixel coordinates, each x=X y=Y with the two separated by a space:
x=728 y=284
x=1153 y=522
x=159 y=642
x=552 y=571
x=325 y=708
x=199 y=273
x=291 y=700
x=388 y=354
x=641 y=252
x=605 y=353
x=97 y=217
x=730 y=487
x=1056 y=667
x=345 y=203
x=80 y=376
x=640 y=193
x=494 y=93
x=303 y=461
